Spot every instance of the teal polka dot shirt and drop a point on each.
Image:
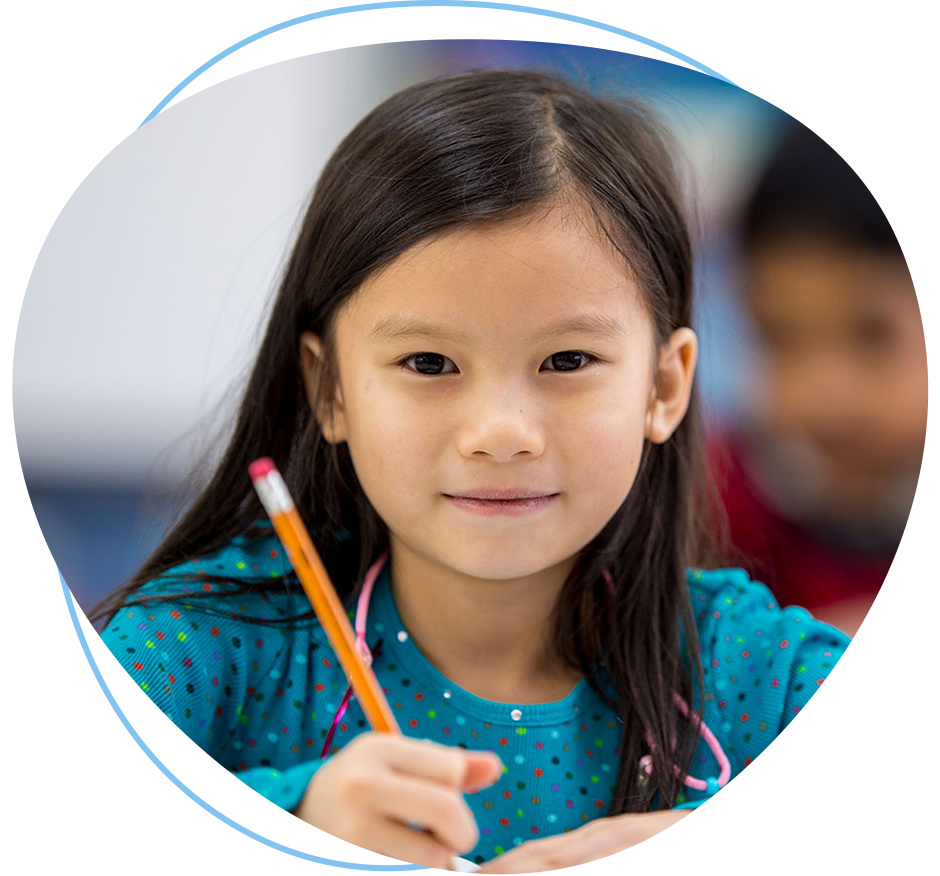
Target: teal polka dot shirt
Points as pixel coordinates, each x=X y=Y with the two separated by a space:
x=260 y=699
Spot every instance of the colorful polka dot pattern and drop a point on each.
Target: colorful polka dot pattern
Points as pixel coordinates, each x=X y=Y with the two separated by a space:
x=260 y=699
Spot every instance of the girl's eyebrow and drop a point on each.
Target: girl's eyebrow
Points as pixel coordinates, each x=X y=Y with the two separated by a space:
x=398 y=326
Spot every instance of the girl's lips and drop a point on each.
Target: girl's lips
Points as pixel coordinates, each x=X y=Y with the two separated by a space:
x=512 y=507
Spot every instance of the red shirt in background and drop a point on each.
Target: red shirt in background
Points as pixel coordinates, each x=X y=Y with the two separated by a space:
x=835 y=583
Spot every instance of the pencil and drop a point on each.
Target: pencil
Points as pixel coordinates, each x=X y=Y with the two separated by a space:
x=326 y=604
x=316 y=583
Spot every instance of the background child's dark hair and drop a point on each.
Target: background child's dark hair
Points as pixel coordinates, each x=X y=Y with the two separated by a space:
x=869 y=182
x=441 y=155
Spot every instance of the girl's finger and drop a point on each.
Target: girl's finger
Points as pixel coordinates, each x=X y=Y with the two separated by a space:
x=608 y=834
x=483 y=768
x=525 y=860
x=442 y=764
x=518 y=860
x=438 y=810
x=596 y=840
x=404 y=843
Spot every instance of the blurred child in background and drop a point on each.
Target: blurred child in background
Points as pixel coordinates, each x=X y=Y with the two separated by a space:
x=819 y=479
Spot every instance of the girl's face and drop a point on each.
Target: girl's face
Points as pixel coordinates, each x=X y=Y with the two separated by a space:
x=496 y=385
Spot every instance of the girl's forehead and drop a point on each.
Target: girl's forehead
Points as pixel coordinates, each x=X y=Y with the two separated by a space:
x=536 y=270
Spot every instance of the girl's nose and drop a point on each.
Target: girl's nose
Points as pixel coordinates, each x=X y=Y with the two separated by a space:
x=501 y=428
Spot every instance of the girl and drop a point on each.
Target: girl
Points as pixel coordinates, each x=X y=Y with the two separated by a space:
x=477 y=380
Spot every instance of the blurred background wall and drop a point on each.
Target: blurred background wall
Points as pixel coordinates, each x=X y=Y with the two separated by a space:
x=148 y=298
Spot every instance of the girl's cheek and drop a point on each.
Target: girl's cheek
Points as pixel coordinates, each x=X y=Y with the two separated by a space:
x=611 y=451
x=612 y=424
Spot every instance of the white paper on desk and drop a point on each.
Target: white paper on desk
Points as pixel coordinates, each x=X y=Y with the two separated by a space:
x=462 y=865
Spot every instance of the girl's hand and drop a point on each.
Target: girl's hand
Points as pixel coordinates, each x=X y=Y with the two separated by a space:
x=567 y=852
x=735 y=841
x=370 y=792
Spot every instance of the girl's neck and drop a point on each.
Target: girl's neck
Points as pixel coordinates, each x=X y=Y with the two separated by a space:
x=492 y=638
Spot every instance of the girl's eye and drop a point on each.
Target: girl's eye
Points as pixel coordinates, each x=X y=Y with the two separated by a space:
x=424 y=359
x=569 y=360
x=566 y=361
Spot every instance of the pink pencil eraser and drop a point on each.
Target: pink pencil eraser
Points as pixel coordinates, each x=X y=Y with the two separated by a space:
x=261 y=467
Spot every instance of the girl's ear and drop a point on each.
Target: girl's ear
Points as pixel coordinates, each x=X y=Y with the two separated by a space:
x=329 y=414
x=672 y=385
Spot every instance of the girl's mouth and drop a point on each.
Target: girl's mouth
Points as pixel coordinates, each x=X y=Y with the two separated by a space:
x=512 y=503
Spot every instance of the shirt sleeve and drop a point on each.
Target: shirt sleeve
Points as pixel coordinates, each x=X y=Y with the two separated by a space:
x=284 y=788
x=818 y=647
x=761 y=665
x=193 y=666
x=180 y=659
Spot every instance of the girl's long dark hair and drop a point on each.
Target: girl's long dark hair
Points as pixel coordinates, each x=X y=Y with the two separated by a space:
x=484 y=147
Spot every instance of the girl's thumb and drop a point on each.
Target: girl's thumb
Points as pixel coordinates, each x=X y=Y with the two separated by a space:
x=483 y=769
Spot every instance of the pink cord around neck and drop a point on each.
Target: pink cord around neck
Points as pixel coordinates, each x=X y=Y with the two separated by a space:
x=646 y=762
x=362 y=610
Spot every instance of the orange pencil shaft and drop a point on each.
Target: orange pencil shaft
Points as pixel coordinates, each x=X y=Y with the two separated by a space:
x=326 y=604
x=316 y=583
